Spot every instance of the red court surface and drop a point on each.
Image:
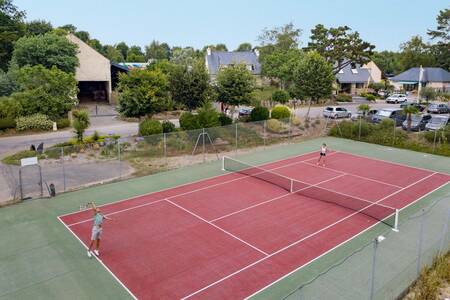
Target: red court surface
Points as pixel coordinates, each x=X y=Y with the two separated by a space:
x=230 y=236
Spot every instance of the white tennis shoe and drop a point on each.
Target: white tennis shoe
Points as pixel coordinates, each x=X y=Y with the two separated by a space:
x=96 y=252
x=89 y=254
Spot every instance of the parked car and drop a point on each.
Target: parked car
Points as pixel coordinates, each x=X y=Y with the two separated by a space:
x=245 y=111
x=438 y=122
x=415 y=104
x=336 y=112
x=418 y=122
x=395 y=114
x=397 y=98
x=359 y=114
x=438 y=108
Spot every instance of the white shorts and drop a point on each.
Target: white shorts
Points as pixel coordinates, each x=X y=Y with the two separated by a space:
x=96 y=232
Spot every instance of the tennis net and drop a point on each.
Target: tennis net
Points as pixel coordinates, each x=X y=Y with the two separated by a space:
x=380 y=212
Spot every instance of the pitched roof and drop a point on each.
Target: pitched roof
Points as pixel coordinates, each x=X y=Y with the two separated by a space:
x=220 y=58
x=429 y=75
x=346 y=75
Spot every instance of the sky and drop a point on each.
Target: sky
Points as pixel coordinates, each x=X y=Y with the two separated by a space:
x=384 y=23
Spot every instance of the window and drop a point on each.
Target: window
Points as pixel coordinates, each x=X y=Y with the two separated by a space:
x=355 y=71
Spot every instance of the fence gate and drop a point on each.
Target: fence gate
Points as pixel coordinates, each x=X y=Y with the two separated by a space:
x=30 y=181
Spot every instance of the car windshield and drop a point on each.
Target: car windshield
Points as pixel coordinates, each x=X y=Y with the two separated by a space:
x=329 y=109
x=433 y=106
x=384 y=113
x=437 y=120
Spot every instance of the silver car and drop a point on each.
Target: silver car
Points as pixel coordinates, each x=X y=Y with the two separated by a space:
x=437 y=122
x=336 y=112
x=397 y=98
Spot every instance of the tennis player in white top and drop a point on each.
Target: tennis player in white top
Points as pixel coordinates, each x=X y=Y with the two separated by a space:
x=323 y=154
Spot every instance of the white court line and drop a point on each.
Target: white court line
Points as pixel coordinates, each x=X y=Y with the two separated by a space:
x=186 y=193
x=100 y=261
x=337 y=246
x=301 y=240
x=350 y=174
x=217 y=227
x=187 y=183
x=273 y=199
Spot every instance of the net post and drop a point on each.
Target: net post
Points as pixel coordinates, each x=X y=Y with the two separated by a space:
x=395 y=229
x=223 y=163
x=292 y=186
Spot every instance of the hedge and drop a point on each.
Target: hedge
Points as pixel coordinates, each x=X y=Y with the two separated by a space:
x=7 y=124
x=34 y=122
x=150 y=127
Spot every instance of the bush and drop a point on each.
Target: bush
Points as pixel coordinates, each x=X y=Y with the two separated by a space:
x=208 y=116
x=7 y=124
x=343 y=98
x=150 y=127
x=296 y=121
x=80 y=123
x=387 y=124
x=259 y=113
x=280 y=112
x=10 y=108
x=280 y=96
x=168 y=126
x=15 y=158
x=225 y=120
x=34 y=122
x=188 y=121
x=63 y=123
x=276 y=126
x=370 y=97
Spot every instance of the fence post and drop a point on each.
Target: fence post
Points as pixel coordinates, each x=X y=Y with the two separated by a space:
x=264 y=133
x=165 y=149
x=434 y=141
x=63 y=168
x=444 y=233
x=120 y=161
x=419 y=246
x=236 y=137
x=374 y=263
x=203 y=141
x=359 y=134
x=393 y=140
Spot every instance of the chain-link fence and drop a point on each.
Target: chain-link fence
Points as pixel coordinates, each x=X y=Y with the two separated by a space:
x=108 y=158
x=384 y=268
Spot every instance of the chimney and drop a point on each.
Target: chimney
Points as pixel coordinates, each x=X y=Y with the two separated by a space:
x=256 y=52
x=208 y=51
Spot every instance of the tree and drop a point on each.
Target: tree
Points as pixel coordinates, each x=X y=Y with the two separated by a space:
x=441 y=50
x=377 y=86
x=218 y=47
x=123 y=49
x=47 y=50
x=364 y=108
x=38 y=27
x=280 y=64
x=94 y=43
x=69 y=28
x=313 y=78
x=416 y=53
x=83 y=35
x=428 y=94
x=143 y=92
x=7 y=84
x=80 y=123
x=135 y=54
x=183 y=56
x=189 y=85
x=388 y=62
x=285 y=37
x=48 y=91
x=410 y=110
x=339 y=46
x=11 y=29
x=244 y=47
x=157 y=51
x=235 y=85
x=112 y=53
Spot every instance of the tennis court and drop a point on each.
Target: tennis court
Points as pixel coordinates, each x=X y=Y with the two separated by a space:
x=230 y=236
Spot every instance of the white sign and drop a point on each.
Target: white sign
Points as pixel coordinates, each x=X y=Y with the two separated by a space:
x=29 y=161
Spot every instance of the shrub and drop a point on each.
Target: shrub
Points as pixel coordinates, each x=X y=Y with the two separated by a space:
x=15 y=158
x=63 y=123
x=34 y=122
x=80 y=123
x=259 y=113
x=387 y=124
x=280 y=96
x=150 y=127
x=168 y=126
x=343 y=98
x=296 y=121
x=276 y=126
x=370 y=97
x=225 y=120
x=7 y=124
x=10 y=108
x=188 y=121
x=280 y=112
x=208 y=116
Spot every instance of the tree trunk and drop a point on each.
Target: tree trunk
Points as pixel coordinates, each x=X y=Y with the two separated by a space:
x=309 y=108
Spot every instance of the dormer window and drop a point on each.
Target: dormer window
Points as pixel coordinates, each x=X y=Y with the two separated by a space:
x=355 y=71
x=341 y=71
